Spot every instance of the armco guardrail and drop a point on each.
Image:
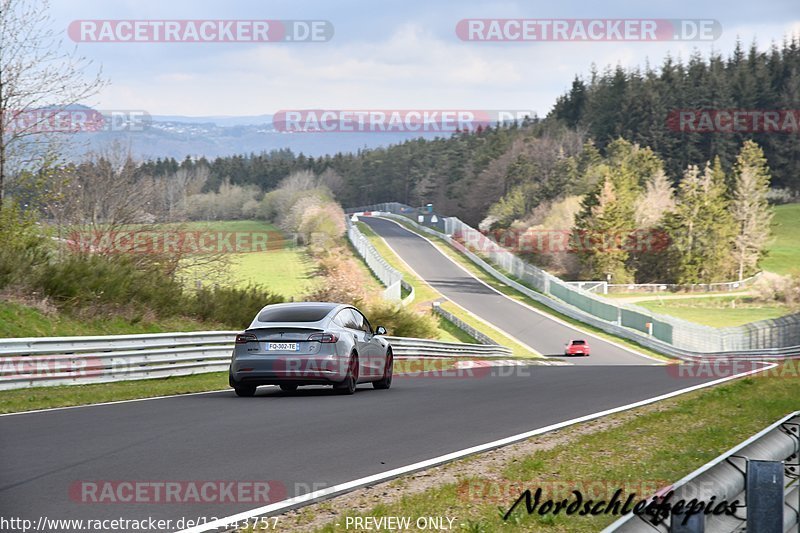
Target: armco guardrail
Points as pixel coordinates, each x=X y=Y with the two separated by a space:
x=390 y=277
x=773 y=503
x=410 y=347
x=32 y=362
x=779 y=337
x=463 y=326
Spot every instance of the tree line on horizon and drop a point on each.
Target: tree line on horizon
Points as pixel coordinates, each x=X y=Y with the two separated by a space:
x=500 y=176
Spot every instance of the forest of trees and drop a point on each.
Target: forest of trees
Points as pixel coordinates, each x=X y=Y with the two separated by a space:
x=605 y=157
x=526 y=164
x=635 y=104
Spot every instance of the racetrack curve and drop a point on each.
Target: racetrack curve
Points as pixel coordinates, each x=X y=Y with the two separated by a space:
x=315 y=439
x=541 y=332
x=309 y=440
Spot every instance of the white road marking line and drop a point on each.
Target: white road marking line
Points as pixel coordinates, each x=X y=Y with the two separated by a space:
x=311 y=497
x=547 y=315
x=437 y=291
x=116 y=401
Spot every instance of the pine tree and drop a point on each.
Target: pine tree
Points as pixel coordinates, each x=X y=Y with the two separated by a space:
x=605 y=222
x=750 y=208
x=700 y=228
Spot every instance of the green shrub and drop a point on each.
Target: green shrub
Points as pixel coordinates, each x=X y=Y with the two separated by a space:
x=234 y=307
x=400 y=321
x=22 y=245
x=86 y=280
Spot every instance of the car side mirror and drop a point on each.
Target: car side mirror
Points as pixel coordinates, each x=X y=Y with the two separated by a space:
x=380 y=330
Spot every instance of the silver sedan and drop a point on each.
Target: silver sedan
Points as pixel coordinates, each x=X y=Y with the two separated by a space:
x=310 y=343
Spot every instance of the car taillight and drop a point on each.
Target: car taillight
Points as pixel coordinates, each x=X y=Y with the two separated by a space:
x=323 y=337
x=244 y=338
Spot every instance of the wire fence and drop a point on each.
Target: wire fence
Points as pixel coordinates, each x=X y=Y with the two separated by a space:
x=773 y=334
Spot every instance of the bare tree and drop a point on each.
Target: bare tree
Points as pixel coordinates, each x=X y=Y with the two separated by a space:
x=36 y=74
x=657 y=199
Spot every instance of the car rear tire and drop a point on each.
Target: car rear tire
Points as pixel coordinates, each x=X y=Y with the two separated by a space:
x=245 y=391
x=348 y=386
x=288 y=388
x=388 y=370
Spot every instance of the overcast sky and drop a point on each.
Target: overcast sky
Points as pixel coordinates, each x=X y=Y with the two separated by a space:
x=386 y=54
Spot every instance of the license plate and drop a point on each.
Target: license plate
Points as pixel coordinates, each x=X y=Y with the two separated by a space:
x=282 y=347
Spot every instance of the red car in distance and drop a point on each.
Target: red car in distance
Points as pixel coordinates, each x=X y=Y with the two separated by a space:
x=577 y=347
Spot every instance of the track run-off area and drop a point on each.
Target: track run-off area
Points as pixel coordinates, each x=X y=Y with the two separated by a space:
x=285 y=449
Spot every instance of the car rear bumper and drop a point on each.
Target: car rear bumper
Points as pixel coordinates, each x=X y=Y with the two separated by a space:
x=290 y=369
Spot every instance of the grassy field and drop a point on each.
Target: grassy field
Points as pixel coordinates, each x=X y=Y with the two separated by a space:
x=630 y=449
x=723 y=311
x=286 y=270
x=784 y=248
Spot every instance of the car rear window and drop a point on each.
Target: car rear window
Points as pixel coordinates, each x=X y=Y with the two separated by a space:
x=578 y=342
x=305 y=313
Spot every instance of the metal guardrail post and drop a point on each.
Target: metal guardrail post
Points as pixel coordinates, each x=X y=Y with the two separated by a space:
x=694 y=523
x=764 y=496
x=751 y=473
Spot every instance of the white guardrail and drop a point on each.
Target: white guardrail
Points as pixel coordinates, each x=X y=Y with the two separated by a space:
x=646 y=340
x=761 y=474
x=43 y=361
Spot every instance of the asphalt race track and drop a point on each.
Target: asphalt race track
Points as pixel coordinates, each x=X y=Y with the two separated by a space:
x=314 y=439
x=301 y=442
x=537 y=330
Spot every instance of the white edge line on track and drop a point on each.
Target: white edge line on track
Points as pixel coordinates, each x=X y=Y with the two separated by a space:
x=113 y=402
x=230 y=521
x=547 y=315
x=467 y=311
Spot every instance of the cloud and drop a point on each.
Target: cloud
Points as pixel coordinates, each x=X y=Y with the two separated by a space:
x=416 y=63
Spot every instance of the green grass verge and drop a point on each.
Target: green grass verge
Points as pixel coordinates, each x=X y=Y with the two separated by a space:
x=23 y=321
x=482 y=275
x=719 y=312
x=449 y=332
x=287 y=270
x=13 y=401
x=650 y=447
x=783 y=255
x=424 y=294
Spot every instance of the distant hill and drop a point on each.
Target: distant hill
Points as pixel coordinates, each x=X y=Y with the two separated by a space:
x=178 y=136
